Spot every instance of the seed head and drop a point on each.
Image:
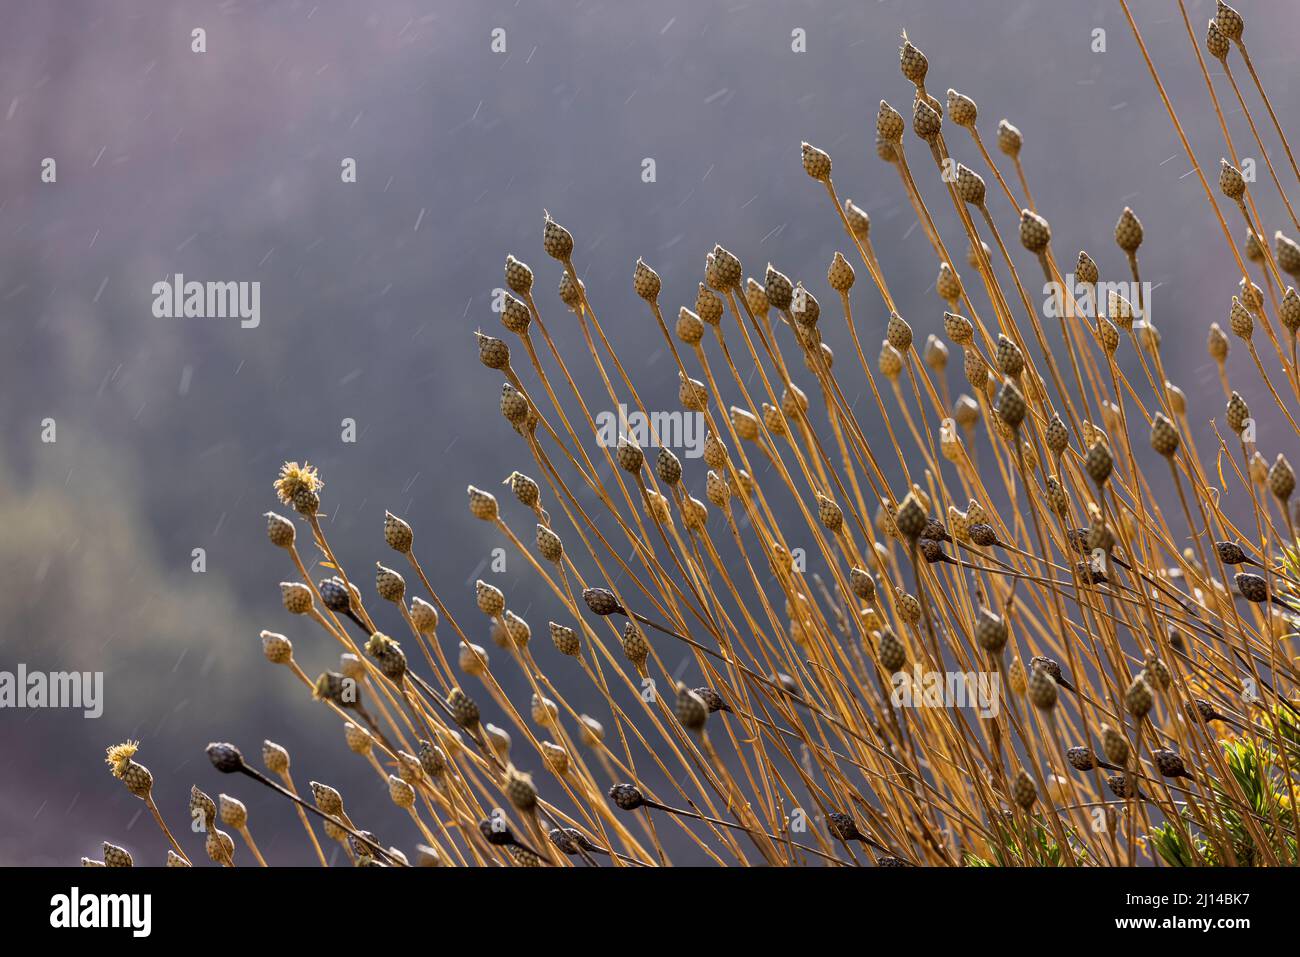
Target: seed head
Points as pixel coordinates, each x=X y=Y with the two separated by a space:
x=990 y=631
x=518 y=276
x=1010 y=404
x=958 y=328
x=571 y=292
x=1240 y=320
x=889 y=123
x=1042 y=689
x=565 y=640
x=1229 y=21
x=389 y=584
x=890 y=651
x=1216 y=43
x=1099 y=462
x=816 y=163
x=115 y=856
x=233 y=812
x=1281 y=479
x=1217 y=343
x=858 y=219
x=891 y=361
x=840 y=275
x=464 y=710
x=635 y=646
x=1114 y=745
x=691 y=710
x=1085 y=270
x=493 y=353
x=1023 y=791
x=926 y=121
x=779 y=289
x=1128 y=231
x=912 y=62
x=274 y=757
x=490 y=599
x=1010 y=139
x=1035 y=233
x=1138 y=697
x=279 y=530
x=1237 y=413
x=898 y=332
x=936 y=353
x=1231 y=183
x=692 y=394
x=556 y=240
x=977 y=256
x=970 y=186
x=482 y=505
x=1252 y=587
x=962 y=109
x=646 y=282
x=602 y=602
x=1164 y=437
x=299 y=486
x=1169 y=763
x=830 y=514
x=515 y=315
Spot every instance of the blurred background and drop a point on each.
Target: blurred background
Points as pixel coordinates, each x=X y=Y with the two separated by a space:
x=225 y=165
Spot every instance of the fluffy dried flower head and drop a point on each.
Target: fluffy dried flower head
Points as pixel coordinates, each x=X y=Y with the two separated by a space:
x=299 y=486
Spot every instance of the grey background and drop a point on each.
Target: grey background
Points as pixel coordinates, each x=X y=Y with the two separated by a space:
x=225 y=166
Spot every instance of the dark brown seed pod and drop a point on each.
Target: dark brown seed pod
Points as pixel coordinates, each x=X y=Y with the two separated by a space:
x=1170 y=764
x=990 y=631
x=712 y=700
x=1251 y=587
x=628 y=797
x=1042 y=689
x=1230 y=553
x=602 y=602
x=983 y=534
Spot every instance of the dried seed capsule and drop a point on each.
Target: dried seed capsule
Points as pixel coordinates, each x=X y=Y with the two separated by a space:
x=424 y=615
x=1042 y=689
x=549 y=544
x=708 y=305
x=296 y=597
x=628 y=797
x=716 y=489
x=1024 y=792
x=889 y=123
x=830 y=514
x=1231 y=183
x=1217 y=344
x=1010 y=139
x=1085 y=270
x=279 y=530
x=692 y=394
x=962 y=109
x=220 y=848
x=1288 y=253
x=565 y=640
x=1237 y=413
x=862 y=584
x=1138 y=697
x=816 y=163
x=977 y=256
x=646 y=281
x=1114 y=745
x=464 y=710
x=948 y=283
x=1099 y=463
x=983 y=534
x=1128 y=231
x=970 y=186
x=1240 y=320
x=911 y=518
x=912 y=62
x=891 y=361
x=1158 y=672
x=1009 y=357
x=635 y=645
x=966 y=411
x=358 y=739
x=389 y=584
x=890 y=651
x=490 y=599
x=472 y=659
x=1281 y=479
x=926 y=121
x=727 y=267
x=232 y=811
x=1058 y=500
x=909 y=609
x=990 y=631
x=493 y=353
x=482 y=505
x=1169 y=764
x=274 y=757
x=1164 y=437
x=519 y=789
x=898 y=332
x=1216 y=43
x=556 y=240
x=859 y=221
x=936 y=353
x=668 y=467
x=1229 y=21
x=840 y=275
x=629 y=455
x=958 y=328
x=1035 y=233
x=690 y=709
x=778 y=288
x=1010 y=404
x=1252 y=587
x=518 y=276
x=277 y=648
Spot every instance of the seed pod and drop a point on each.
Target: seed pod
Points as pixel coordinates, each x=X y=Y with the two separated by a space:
x=1024 y=792
x=1216 y=43
x=1120 y=787
x=794 y=402
x=911 y=518
x=1257 y=468
x=233 y=812
x=1237 y=413
x=220 y=847
x=1217 y=344
x=690 y=709
x=1009 y=357
x=1010 y=139
x=840 y=274
x=490 y=599
x=1169 y=764
x=1164 y=437
x=1231 y=183
x=966 y=411
x=926 y=121
x=358 y=739
x=891 y=361
x=889 y=123
x=1019 y=683
x=1085 y=270
x=909 y=609
x=519 y=789
x=1138 y=698
x=482 y=505
x=692 y=394
x=970 y=186
x=1010 y=404
x=493 y=353
x=1035 y=233
x=1042 y=689
x=389 y=584
x=1281 y=479
x=565 y=640
x=472 y=659
x=958 y=328
x=388 y=656
x=556 y=240
x=832 y=518
x=517 y=631
x=1240 y=320
x=936 y=353
x=859 y=221
x=646 y=281
x=983 y=535
x=1058 y=500
x=277 y=648
x=1114 y=745
x=778 y=288
x=898 y=332
x=279 y=530
x=990 y=631
x=601 y=601
x=716 y=489
x=628 y=797
x=962 y=109
x=862 y=584
x=1128 y=232
x=668 y=467
x=1229 y=21
x=549 y=544
x=629 y=455
x=635 y=646
x=1158 y=672
x=1252 y=587
x=890 y=651
x=816 y=163
x=424 y=615
x=464 y=710
x=1099 y=463
x=1081 y=758
x=727 y=268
